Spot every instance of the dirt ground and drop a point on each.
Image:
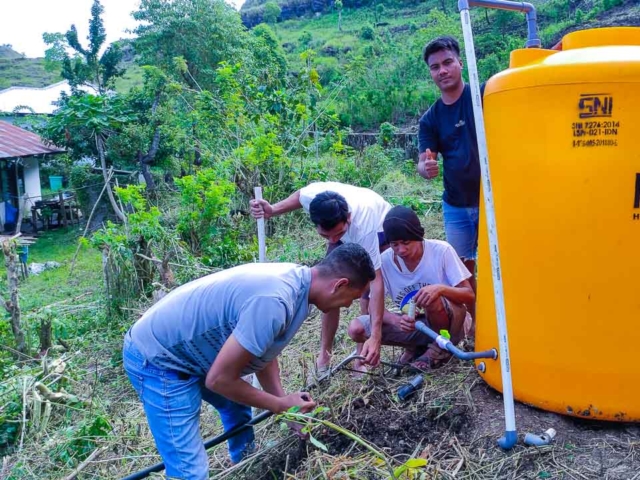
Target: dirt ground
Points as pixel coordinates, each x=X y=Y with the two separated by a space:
x=453 y=423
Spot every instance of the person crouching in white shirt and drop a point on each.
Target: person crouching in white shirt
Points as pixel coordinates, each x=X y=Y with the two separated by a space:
x=430 y=273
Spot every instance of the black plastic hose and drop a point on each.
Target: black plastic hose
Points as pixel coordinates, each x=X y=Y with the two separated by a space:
x=212 y=442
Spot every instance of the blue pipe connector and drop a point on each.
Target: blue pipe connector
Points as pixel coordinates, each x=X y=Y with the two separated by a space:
x=509 y=440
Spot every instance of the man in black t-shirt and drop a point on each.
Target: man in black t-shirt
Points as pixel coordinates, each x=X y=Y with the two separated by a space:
x=448 y=128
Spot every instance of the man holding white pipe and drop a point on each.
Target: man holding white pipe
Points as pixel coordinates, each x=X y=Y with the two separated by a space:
x=342 y=214
x=201 y=339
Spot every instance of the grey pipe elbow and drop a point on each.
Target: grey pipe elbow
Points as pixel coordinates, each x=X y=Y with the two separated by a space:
x=533 y=41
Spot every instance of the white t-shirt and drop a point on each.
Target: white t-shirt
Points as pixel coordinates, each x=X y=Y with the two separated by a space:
x=367 y=208
x=439 y=265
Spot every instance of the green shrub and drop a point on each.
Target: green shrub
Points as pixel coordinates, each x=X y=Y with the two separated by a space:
x=364 y=169
x=367 y=33
x=609 y=4
x=81 y=441
x=305 y=38
x=387 y=132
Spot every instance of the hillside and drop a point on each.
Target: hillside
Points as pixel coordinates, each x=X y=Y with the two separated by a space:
x=368 y=55
x=372 y=54
x=252 y=10
x=17 y=70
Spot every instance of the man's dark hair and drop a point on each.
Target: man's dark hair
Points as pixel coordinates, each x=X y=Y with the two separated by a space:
x=446 y=42
x=328 y=209
x=349 y=261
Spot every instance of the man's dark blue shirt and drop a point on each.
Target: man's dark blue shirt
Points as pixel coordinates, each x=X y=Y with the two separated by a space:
x=451 y=131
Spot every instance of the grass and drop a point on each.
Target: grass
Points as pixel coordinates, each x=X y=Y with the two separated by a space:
x=324 y=30
x=19 y=71
x=133 y=77
x=447 y=430
x=25 y=72
x=59 y=245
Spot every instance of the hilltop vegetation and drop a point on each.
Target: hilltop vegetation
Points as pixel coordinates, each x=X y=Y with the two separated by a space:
x=17 y=70
x=374 y=56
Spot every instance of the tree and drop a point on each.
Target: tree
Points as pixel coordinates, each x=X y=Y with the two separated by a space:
x=146 y=141
x=503 y=21
x=86 y=66
x=83 y=120
x=338 y=5
x=271 y=12
x=270 y=60
x=378 y=12
x=202 y=32
x=55 y=54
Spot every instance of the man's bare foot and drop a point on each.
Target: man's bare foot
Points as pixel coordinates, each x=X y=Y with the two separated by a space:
x=323 y=363
x=406 y=357
x=360 y=370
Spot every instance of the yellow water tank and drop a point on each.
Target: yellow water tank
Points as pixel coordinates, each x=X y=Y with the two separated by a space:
x=563 y=133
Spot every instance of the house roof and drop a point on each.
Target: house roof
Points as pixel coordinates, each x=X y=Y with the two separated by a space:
x=35 y=100
x=17 y=142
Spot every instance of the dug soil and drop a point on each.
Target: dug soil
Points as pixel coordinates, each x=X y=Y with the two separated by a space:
x=453 y=422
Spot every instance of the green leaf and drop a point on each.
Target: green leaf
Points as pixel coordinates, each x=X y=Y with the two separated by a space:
x=416 y=463
x=294 y=409
x=317 y=443
x=400 y=470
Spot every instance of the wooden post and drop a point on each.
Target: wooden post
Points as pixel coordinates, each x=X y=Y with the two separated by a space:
x=21 y=205
x=63 y=209
x=12 y=306
x=71 y=205
x=34 y=219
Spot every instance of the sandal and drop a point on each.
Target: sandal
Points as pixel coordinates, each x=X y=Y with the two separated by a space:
x=317 y=374
x=432 y=359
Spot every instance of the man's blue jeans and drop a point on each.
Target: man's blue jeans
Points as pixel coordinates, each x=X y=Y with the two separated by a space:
x=172 y=404
x=461 y=229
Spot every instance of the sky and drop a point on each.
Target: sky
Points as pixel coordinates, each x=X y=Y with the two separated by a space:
x=22 y=22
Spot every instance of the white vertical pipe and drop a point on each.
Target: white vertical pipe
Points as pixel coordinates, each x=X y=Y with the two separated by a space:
x=262 y=248
x=262 y=257
x=510 y=437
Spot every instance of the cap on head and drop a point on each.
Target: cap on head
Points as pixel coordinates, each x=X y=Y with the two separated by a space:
x=402 y=224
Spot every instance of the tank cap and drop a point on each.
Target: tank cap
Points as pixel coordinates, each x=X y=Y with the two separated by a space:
x=602 y=37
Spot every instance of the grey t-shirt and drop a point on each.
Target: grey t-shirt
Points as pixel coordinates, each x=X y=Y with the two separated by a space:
x=262 y=304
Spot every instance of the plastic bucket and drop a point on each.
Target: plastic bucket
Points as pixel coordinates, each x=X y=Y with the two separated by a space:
x=55 y=183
